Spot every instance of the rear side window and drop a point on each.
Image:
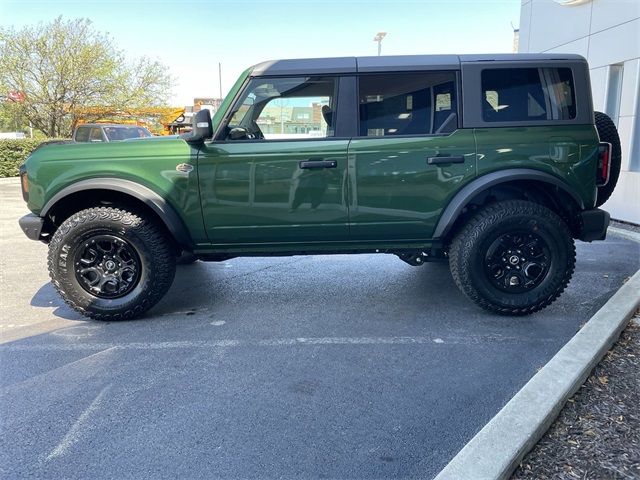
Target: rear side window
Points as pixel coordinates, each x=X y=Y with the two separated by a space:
x=124 y=133
x=408 y=104
x=527 y=94
x=82 y=134
x=96 y=135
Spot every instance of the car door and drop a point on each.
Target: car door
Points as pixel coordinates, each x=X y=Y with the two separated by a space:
x=277 y=171
x=410 y=156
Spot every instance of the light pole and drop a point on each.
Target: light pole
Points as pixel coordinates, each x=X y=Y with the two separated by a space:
x=220 y=79
x=378 y=38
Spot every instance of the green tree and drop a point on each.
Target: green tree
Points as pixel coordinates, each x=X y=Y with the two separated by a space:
x=11 y=117
x=68 y=70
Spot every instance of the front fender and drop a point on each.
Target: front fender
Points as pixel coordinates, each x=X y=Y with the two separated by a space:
x=151 y=199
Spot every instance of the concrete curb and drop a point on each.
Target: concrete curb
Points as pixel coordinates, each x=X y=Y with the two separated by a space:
x=628 y=234
x=498 y=448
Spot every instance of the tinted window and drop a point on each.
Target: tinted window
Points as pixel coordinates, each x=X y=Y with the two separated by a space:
x=407 y=104
x=284 y=108
x=124 y=133
x=527 y=94
x=96 y=135
x=82 y=134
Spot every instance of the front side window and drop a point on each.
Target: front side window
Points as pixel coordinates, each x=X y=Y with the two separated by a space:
x=527 y=94
x=407 y=104
x=284 y=109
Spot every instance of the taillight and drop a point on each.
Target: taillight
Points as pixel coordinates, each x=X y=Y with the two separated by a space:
x=24 y=182
x=604 y=163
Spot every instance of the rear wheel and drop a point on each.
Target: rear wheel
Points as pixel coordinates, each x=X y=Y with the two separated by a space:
x=513 y=257
x=608 y=132
x=110 y=264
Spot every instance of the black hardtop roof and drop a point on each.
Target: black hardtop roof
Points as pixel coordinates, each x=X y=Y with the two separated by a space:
x=386 y=63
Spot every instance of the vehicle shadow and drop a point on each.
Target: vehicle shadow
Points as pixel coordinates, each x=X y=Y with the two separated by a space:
x=179 y=298
x=48 y=297
x=194 y=288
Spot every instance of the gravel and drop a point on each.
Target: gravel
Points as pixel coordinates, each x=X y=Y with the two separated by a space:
x=597 y=434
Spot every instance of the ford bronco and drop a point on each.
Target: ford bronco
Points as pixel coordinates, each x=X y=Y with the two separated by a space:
x=494 y=163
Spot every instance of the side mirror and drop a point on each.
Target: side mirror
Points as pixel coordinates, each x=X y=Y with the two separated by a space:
x=201 y=128
x=238 y=133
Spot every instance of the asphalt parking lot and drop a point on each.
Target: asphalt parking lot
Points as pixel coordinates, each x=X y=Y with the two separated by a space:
x=300 y=367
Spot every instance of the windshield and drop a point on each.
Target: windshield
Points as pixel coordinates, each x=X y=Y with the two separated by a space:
x=124 y=133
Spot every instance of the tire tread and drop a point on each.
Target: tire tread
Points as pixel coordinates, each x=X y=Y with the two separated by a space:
x=161 y=272
x=462 y=244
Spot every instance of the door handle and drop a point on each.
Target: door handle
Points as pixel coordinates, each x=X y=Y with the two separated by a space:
x=445 y=159
x=318 y=164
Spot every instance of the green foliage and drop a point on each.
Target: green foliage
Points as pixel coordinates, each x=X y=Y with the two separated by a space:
x=11 y=118
x=67 y=70
x=14 y=152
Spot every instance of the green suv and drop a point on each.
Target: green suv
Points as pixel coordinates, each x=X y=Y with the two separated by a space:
x=494 y=163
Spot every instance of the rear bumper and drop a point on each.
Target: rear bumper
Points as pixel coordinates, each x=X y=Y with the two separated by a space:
x=31 y=225
x=593 y=225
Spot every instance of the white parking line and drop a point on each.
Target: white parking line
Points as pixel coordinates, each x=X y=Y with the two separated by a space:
x=275 y=342
x=75 y=432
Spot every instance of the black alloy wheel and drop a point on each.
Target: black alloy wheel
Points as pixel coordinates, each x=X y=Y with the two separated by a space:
x=517 y=262
x=107 y=266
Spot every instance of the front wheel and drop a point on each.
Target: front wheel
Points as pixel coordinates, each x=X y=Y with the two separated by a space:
x=513 y=257
x=111 y=264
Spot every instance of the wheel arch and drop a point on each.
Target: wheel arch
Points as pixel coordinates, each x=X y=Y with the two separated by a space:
x=76 y=196
x=543 y=187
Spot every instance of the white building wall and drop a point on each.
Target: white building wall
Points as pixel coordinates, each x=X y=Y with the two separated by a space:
x=607 y=34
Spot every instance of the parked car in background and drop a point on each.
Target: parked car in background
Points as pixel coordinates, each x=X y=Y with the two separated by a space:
x=108 y=132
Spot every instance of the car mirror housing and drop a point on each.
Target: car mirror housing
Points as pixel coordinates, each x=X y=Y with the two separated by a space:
x=201 y=128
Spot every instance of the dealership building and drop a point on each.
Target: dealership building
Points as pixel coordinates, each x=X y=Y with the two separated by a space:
x=607 y=34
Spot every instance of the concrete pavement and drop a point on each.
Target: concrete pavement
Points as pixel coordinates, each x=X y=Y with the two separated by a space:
x=301 y=367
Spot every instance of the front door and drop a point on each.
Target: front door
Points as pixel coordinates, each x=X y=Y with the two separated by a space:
x=276 y=173
x=409 y=158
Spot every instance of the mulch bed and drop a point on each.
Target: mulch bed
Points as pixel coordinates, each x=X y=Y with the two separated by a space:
x=597 y=435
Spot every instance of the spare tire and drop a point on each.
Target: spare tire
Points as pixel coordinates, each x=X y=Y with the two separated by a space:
x=609 y=133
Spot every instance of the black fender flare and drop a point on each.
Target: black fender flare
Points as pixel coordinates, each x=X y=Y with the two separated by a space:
x=151 y=199
x=485 y=182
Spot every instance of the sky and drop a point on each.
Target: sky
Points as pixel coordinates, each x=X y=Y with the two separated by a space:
x=192 y=36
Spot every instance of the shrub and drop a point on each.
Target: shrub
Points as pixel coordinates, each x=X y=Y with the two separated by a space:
x=14 y=152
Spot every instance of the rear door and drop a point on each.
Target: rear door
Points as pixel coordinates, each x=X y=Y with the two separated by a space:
x=410 y=157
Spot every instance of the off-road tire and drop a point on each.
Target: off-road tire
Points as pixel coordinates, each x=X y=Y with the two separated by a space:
x=157 y=263
x=468 y=249
x=608 y=132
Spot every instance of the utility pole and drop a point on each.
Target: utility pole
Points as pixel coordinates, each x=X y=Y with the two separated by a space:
x=220 y=79
x=378 y=38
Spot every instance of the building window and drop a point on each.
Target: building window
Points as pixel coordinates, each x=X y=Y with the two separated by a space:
x=528 y=94
x=413 y=104
x=614 y=92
